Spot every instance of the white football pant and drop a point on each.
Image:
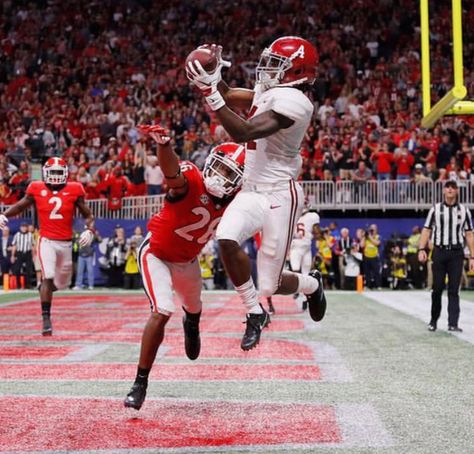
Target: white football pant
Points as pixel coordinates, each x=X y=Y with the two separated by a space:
x=273 y=210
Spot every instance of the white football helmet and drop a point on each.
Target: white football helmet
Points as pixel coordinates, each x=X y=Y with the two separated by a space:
x=224 y=169
x=55 y=171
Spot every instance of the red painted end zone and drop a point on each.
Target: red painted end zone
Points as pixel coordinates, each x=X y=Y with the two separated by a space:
x=173 y=346
x=41 y=352
x=171 y=372
x=90 y=424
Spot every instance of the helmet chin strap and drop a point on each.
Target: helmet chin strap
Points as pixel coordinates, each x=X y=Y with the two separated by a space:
x=215 y=186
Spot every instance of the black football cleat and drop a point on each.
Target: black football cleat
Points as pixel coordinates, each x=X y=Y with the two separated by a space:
x=432 y=326
x=255 y=324
x=192 y=339
x=136 y=396
x=47 y=326
x=304 y=305
x=317 y=300
x=271 y=307
x=455 y=328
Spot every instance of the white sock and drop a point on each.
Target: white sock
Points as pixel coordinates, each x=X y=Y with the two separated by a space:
x=248 y=294
x=307 y=284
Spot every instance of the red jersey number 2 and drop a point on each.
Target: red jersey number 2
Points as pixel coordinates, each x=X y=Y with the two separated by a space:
x=186 y=231
x=58 y=203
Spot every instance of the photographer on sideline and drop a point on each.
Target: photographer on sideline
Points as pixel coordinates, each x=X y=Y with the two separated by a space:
x=131 y=277
x=370 y=244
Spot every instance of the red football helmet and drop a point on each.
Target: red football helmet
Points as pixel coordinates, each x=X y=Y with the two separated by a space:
x=55 y=171
x=288 y=61
x=224 y=169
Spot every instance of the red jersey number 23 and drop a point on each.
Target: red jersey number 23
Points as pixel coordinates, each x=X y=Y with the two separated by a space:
x=186 y=231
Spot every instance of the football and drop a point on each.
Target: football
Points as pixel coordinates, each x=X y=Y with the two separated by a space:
x=206 y=56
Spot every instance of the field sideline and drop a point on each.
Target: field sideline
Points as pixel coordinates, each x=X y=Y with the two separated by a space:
x=370 y=378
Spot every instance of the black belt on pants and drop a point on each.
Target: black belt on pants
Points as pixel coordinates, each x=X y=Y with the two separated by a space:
x=450 y=248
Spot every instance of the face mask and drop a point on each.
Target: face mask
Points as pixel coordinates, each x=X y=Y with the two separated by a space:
x=215 y=186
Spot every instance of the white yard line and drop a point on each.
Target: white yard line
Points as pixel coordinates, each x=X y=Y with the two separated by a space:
x=418 y=305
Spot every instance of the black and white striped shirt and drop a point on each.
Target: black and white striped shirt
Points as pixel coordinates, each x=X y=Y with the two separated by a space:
x=23 y=241
x=448 y=224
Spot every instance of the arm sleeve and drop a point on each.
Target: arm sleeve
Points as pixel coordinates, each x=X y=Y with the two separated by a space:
x=430 y=219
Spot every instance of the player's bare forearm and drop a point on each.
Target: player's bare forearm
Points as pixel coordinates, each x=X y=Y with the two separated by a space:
x=169 y=163
x=19 y=207
x=85 y=212
x=236 y=98
x=257 y=127
x=424 y=238
x=470 y=242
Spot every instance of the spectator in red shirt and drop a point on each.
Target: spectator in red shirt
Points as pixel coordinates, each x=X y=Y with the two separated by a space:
x=404 y=161
x=384 y=159
x=117 y=186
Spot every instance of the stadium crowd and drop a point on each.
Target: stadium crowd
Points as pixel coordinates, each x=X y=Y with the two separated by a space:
x=77 y=78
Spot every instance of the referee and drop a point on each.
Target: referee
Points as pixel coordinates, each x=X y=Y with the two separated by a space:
x=450 y=223
x=22 y=254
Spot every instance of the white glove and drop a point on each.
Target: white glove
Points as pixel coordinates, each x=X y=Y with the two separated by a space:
x=3 y=221
x=86 y=238
x=200 y=77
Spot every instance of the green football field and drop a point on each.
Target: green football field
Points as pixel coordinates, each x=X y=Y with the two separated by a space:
x=369 y=378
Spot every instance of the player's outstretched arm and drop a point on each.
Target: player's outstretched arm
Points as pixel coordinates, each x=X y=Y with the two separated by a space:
x=167 y=158
x=85 y=212
x=236 y=98
x=216 y=94
x=257 y=127
x=18 y=208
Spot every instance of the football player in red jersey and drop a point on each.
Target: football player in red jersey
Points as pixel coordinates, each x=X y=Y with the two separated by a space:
x=56 y=201
x=193 y=207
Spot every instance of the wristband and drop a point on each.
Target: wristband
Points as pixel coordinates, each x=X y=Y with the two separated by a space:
x=215 y=100
x=425 y=249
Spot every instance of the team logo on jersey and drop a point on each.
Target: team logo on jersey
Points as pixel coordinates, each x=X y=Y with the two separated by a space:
x=204 y=199
x=44 y=193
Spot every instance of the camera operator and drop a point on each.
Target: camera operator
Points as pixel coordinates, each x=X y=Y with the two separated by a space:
x=131 y=277
x=370 y=244
x=352 y=259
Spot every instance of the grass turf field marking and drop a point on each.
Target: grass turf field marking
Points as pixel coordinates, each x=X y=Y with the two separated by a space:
x=418 y=305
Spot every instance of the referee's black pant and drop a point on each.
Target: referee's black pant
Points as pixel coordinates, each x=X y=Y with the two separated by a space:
x=23 y=259
x=446 y=262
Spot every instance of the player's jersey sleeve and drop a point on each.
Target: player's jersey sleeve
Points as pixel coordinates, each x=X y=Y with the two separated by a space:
x=191 y=172
x=291 y=103
x=193 y=177
x=79 y=190
x=33 y=188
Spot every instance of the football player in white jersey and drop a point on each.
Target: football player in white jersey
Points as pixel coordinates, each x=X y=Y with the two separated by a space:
x=300 y=250
x=270 y=201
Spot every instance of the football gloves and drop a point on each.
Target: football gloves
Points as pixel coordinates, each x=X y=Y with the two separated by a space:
x=207 y=82
x=159 y=134
x=86 y=238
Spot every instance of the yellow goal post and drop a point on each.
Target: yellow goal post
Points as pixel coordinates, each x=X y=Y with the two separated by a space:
x=452 y=102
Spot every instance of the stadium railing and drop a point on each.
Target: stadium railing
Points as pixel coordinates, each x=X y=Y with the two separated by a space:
x=324 y=195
